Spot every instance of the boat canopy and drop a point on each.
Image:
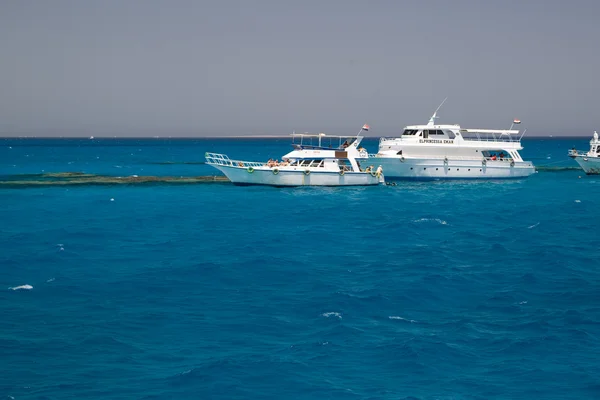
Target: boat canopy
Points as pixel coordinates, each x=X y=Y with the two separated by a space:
x=322 y=141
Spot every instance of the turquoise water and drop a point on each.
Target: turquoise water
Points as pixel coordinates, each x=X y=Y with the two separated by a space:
x=424 y=290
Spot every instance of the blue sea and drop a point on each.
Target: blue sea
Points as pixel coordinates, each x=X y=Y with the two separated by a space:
x=423 y=290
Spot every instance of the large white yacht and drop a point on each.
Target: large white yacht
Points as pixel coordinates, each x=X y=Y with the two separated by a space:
x=316 y=160
x=588 y=160
x=435 y=151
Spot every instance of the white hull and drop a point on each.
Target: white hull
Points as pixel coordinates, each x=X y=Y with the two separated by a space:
x=421 y=168
x=296 y=177
x=591 y=165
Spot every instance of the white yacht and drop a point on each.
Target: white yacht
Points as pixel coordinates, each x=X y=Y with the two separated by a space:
x=435 y=151
x=316 y=160
x=589 y=160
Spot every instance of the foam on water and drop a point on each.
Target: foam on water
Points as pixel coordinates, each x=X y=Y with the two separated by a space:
x=439 y=221
x=22 y=287
x=412 y=321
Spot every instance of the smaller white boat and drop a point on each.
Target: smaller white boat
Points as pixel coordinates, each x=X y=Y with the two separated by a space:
x=588 y=160
x=317 y=160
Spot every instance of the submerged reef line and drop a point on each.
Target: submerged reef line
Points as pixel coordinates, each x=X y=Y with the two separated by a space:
x=80 y=178
x=548 y=168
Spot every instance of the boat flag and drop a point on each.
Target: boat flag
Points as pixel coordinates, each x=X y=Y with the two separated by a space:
x=365 y=127
x=517 y=121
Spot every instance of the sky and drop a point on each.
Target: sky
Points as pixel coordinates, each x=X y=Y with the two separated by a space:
x=269 y=67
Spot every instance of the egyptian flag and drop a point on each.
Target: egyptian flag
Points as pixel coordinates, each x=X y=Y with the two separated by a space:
x=517 y=121
x=365 y=127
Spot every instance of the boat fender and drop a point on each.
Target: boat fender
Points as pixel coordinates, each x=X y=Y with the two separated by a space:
x=275 y=171
x=402 y=159
x=306 y=171
x=250 y=170
x=484 y=162
x=342 y=172
x=373 y=173
x=446 y=161
x=512 y=163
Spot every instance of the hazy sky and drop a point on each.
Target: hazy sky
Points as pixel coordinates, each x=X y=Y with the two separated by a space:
x=205 y=68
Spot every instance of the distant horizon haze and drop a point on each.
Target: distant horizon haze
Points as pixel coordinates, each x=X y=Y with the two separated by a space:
x=189 y=68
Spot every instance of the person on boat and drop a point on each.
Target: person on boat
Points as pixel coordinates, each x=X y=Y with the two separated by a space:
x=501 y=155
x=369 y=168
x=379 y=170
x=494 y=157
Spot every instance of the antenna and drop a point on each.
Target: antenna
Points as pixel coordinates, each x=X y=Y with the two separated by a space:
x=434 y=116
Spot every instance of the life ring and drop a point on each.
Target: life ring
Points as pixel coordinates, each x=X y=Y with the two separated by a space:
x=306 y=171
x=342 y=172
x=250 y=170
x=484 y=162
x=275 y=171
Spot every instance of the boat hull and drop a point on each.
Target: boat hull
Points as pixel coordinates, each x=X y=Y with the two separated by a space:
x=591 y=165
x=433 y=169
x=298 y=177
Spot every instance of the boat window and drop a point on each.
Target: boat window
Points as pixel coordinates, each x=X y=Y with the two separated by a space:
x=409 y=132
x=425 y=133
x=317 y=163
x=434 y=132
x=449 y=133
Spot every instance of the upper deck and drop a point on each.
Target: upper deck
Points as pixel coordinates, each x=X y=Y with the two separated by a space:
x=448 y=134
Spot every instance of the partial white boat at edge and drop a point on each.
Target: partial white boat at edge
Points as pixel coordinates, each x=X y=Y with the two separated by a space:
x=317 y=160
x=590 y=160
x=449 y=152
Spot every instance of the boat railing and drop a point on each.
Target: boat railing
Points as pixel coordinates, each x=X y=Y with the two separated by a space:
x=223 y=159
x=451 y=158
x=490 y=138
x=575 y=152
